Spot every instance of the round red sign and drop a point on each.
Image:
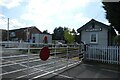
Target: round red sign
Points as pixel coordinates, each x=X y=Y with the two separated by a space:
x=44 y=53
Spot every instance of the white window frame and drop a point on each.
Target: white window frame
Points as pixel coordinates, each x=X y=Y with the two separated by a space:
x=96 y=38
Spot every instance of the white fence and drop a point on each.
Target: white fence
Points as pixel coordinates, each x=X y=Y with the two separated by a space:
x=14 y=44
x=19 y=62
x=106 y=54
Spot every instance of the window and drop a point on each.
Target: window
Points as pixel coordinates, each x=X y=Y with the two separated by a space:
x=93 y=38
x=12 y=34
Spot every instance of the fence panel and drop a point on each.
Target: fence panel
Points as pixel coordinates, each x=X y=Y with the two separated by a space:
x=21 y=60
x=106 y=54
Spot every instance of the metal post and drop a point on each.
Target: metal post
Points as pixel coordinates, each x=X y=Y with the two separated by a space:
x=85 y=51
x=28 y=60
x=67 y=56
x=55 y=54
x=8 y=33
x=28 y=53
x=27 y=34
x=79 y=52
x=55 y=51
x=67 y=53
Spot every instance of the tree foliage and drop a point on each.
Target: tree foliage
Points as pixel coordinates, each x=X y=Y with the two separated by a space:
x=113 y=13
x=117 y=39
x=74 y=32
x=64 y=33
x=58 y=33
x=69 y=37
x=45 y=32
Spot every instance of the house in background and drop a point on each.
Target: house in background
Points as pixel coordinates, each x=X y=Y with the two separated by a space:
x=42 y=38
x=0 y=34
x=30 y=34
x=96 y=33
x=24 y=34
x=3 y=34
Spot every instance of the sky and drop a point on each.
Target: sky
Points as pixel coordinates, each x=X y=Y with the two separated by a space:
x=49 y=14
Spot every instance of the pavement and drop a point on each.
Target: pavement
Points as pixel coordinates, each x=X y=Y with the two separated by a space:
x=87 y=71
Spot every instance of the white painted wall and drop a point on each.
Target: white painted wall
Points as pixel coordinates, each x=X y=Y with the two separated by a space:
x=102 y=36
x=40 y=37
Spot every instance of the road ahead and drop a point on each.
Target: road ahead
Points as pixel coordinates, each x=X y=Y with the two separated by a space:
x=85 y=71
x=30 y=66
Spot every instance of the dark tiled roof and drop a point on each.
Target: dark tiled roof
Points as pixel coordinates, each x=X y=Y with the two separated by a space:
x=90 y=22
x=21 y=29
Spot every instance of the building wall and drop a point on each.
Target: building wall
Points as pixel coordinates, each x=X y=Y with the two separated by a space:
x=102 y=36
x=0 y=35
x=21 y=34
x=39 y=38
x=3 y=34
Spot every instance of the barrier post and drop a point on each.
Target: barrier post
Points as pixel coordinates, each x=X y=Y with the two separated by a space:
x=28 y=60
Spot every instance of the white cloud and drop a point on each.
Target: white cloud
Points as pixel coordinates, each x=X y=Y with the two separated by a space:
x=10 y=3
x=47 y=8
x=3 y=22
x=50 y=12
x=13 y=23
x=81 y=18
x=106 y=22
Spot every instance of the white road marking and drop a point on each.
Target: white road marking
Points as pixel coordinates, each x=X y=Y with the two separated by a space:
x=29 y=68
x=19 y=56
x=19 y=60
x=52 y=72
x=13 y=56
x=13 y=63
x=39 y=70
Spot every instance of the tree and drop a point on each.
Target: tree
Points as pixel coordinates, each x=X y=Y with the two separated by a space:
x=113 y=13
x=117 y=39
x=45 y=32
x=68 y=36
x=73 y=32
x=58 y=33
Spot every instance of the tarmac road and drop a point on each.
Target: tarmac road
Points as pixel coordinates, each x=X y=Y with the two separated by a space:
x=30 y=66
x=87 y=71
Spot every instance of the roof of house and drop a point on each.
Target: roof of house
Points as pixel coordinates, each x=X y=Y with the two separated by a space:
x=32 y=27
x=98 y=23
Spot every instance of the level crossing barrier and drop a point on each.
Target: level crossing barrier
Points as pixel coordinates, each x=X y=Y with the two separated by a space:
x=22 y=60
